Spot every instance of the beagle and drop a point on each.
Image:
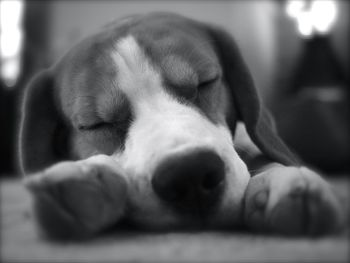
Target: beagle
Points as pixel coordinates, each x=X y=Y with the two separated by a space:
x=155 y=121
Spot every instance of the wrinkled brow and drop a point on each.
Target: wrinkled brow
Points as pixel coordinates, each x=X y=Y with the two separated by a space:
x=178 y=71
x=108 y=105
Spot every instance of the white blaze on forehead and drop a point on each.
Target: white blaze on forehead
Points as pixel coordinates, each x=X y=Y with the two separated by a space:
x=137 y=78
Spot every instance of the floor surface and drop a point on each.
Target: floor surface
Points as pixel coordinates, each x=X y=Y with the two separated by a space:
x=20 y=241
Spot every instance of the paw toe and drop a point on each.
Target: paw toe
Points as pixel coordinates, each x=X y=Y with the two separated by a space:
x=303 y=211
x=290 y=215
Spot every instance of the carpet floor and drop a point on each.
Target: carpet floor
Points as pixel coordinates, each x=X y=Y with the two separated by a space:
x=20 y=241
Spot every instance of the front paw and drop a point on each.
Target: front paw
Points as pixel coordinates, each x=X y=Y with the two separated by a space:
x=291 y=201
x=78 y=199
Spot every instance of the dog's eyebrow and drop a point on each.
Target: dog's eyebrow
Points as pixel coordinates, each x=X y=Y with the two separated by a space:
x=108 y=106
x=113 y=105
x=208 y=71
x=178 y=71
x=84 y=110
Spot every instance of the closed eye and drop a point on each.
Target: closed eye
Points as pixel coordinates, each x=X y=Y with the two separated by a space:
x=119 y=126
x=207 y=83
x=95 y=126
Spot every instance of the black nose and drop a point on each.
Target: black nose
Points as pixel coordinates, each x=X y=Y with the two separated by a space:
x=192 y=182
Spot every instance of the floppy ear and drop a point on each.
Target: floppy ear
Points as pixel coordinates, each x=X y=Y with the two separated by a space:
x=43 y=136
x=258 y=122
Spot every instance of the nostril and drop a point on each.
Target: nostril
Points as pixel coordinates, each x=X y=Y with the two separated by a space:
x=212 y=181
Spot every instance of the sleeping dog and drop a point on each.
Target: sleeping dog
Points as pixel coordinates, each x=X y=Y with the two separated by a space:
x=155 y=121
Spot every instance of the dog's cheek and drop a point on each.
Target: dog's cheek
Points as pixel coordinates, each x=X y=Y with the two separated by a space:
x=89 y=143
x=215 y=104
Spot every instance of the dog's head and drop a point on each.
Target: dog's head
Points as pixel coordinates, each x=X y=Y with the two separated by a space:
x=161 y=94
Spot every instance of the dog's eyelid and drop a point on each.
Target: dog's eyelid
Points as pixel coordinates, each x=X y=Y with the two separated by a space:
x=94 y=126
x=103 y=124
x=209 y=81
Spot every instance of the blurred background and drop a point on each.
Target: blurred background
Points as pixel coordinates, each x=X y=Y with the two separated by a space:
x=297 y=52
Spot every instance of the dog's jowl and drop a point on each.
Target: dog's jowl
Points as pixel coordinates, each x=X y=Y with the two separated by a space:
x=144 y=121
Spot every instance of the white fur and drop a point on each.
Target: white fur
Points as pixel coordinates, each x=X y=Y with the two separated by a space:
x=163 y=126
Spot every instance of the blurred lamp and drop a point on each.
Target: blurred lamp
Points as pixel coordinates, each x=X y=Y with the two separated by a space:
x=11 y=38
x=312 y=17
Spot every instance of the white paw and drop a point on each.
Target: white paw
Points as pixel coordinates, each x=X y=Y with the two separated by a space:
x=291 y=201
x=78 y=199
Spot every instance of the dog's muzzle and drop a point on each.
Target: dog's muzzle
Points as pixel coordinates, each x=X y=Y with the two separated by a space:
x=191 y=183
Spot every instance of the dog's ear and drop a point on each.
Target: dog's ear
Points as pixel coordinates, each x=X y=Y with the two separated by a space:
x=43 y=136
x=256 y=118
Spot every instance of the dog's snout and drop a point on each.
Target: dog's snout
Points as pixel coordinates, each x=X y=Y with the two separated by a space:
x=193 y=182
